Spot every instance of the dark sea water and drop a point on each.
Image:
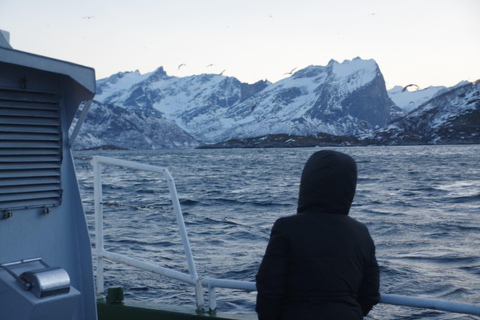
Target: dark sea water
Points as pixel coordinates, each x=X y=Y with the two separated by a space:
x=420 y=203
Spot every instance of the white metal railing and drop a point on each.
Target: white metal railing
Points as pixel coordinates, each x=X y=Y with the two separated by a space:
x=212 y=284
x=102 y=254
x=392 y=299
x=416 y=302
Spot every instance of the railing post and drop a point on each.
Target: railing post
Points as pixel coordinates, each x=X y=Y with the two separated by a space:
x=186 y=244
x=212 y=298
x=200 y=301
x=96 y=162
x=97 y=187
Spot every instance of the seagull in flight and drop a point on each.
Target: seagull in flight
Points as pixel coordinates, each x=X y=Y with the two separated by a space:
x=89 y=17
x=410 y=85
x=291 y=72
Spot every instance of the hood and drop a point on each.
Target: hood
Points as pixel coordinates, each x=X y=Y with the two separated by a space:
x=328 y=183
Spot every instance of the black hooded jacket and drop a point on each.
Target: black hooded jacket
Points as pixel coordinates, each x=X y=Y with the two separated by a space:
x=320 y=263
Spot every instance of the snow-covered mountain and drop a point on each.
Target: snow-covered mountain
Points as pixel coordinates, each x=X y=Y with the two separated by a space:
x=155 y=110
x=451 y=116
x=340 y=99
x=410 y=100
x=109 y=125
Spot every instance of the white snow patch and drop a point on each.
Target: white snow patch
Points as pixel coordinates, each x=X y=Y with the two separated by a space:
x=119 y=83
x=410 y=100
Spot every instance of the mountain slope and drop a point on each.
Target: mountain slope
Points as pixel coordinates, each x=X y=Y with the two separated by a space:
x=130 y=129
x=451 y=117
x=410 y=100
x=337 y=100
x=340 y=98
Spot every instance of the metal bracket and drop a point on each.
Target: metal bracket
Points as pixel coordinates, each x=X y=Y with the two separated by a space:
x=45 y=282
x=7 y=214
x=79 y=123
x=25 y=284
x=46 y=210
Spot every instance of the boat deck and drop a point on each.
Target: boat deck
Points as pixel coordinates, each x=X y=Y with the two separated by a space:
x=133 y=310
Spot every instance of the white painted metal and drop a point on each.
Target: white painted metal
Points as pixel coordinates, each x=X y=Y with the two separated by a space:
x=212 y=284
x=101 y=253
x=97 y=187
x=212 y=297
x=232 y=284
x=146 y=266
x=430 y=304
x=79 y=123
x=392 y=299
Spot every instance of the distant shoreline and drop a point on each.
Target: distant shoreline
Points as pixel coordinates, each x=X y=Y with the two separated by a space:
x=321 y=140
x=293 y=141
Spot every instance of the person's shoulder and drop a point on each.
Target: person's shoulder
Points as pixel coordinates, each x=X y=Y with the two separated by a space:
x=355 y=222
x=360 y=226
x=287 y=220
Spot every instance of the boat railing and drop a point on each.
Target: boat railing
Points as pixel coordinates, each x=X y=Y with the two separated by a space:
x=192 y=278
x=392 y=299
x=102 y=253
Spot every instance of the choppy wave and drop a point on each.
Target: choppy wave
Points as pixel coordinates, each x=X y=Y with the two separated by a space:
x=420 y=203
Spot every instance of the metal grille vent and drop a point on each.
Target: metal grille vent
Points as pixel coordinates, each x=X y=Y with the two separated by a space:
x=30 y=149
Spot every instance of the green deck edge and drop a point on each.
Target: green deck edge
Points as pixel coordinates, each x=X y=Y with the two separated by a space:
x=135 y=310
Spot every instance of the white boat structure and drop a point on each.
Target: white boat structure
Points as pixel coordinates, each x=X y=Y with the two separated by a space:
x=46 y=264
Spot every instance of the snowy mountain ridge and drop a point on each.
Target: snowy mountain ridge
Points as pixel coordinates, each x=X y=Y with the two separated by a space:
x=410 y=100
x=451 y=116
x=341 y=99
x=213 y=107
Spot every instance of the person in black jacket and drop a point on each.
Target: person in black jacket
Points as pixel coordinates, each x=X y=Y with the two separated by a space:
x=320 y=263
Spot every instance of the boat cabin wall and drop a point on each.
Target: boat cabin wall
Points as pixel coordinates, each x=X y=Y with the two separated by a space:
x=56 y=230
x=17 y=77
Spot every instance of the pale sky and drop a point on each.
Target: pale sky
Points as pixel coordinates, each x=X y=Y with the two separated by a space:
x=425 y=42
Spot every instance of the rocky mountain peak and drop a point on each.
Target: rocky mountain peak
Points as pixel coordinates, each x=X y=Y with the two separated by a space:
x=340 y=99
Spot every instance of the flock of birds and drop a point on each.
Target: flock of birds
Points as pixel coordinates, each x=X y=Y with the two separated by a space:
x=210 y=65
x=221 y=73
x=292 y=71
x=255 y=106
